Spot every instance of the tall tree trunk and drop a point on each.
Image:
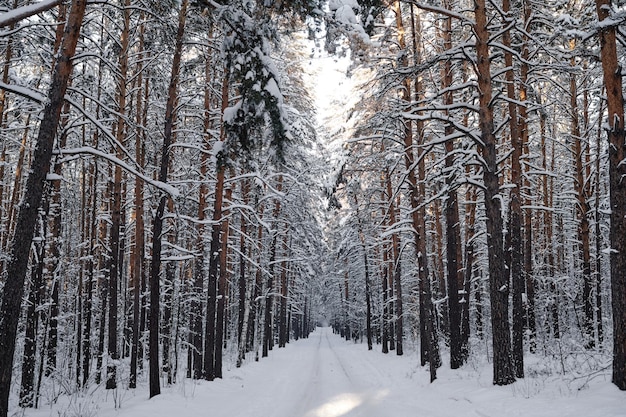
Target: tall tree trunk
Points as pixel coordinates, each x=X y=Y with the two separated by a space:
x=216 y=230
x=116 y=209
x=157 y=223
x=284 y=294
x=598 y=236
x=617 y=171
x=196 y=350
x=222 y=287
x=27 y=388
x=515 y=208
x=268 y=338
x=503 y=370
x=429 y=346
x=244 y=306
x=453 y=225
x=582 y=209
x=6 y=67
x=528 y=216
x=26 y=220
x=138 y=250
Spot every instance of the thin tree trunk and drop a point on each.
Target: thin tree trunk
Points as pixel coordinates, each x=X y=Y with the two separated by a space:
x=598 y=236
x=268 y=339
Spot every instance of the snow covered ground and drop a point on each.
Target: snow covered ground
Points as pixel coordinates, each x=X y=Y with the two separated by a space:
x=326 y=376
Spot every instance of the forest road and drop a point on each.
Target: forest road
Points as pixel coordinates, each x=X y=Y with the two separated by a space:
x=315 y=377
x=335 y=387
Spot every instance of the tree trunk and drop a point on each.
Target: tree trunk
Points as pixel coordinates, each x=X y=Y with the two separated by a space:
x=138 y=250
x=284 y=294
x=528 y=215
x=617 y=170
x=216 y=229
x=582 y=210
x=503 y=371
x=515 y=208
x=268 y=339
x=157 y=223
x=429 y=346
x=27 y=388
x=453 y=225
x=26 y=220
x=116 y=209
x=221 y=319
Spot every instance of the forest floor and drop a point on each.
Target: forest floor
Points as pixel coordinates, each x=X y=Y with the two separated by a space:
x=326 y=376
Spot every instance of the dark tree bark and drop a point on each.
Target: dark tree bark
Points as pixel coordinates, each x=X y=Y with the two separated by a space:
x=503 y=370
x=216 y=229
x=429 y=345
x=528 y=215
x=26 y=220
x=451 y=210
x=157 y=223
x=137 y=270
x=617 y=171
x=222 y=287
x=268 y=339
x=27 y=388
x=582 y=210
x=283 y=331
x=515 y=208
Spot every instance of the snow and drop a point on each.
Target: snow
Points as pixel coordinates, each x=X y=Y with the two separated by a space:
x=25 y=11
x=230 y=113
x=326 y=376
x=29 y=93
x=272 y=88
x=346 y=15
x=53 y=177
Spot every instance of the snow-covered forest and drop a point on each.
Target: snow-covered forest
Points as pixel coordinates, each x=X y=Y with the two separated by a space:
x=190 y=187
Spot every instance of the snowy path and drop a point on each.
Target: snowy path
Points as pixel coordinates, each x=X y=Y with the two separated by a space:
x=325 y=376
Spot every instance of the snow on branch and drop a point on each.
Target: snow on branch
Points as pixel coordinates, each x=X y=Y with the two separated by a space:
x=88 y=150
x=31 y=94
x=441 y=10
x=13 y=16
